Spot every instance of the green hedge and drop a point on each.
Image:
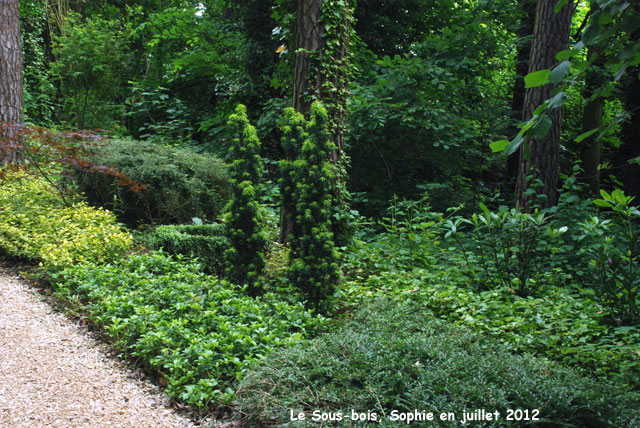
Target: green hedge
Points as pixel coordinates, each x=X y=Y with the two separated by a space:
x=392 y=356
x=208 y=242
x=180 y=184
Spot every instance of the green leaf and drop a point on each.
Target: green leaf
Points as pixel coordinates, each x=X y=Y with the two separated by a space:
x=586 y=135
x=559 y=72
x=558 y=100
x=602 y=203
x=559 y=5
x=566 y=54
x=542 y=126
x=498 y=146
x=513 y=145
x=537 y=78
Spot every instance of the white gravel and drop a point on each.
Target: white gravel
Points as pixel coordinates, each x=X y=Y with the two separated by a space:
x=54 y=375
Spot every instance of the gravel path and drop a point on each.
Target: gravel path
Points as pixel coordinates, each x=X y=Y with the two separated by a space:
x=53 y=375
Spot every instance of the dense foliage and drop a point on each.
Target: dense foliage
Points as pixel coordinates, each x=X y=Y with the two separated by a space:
x=197 y=333
x=483 y=304
x=391 y=356
x=35 y=224
x=207 y=242
x=177 y=184
x=245 y=215
x=312 y=258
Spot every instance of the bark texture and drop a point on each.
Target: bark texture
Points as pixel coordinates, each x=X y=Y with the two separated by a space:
x=11 y=91
x=539 y=157
x=525 y=34
x=308 y=42
x=592 y=118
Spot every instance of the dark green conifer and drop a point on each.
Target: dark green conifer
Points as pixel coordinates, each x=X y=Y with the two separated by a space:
x=245 y=215
x=313 y=258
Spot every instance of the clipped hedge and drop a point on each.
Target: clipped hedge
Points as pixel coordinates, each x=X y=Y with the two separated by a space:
x=35 y=224
x=397 y=357
x=199 y=334
x=180 y=184
x=207 y=242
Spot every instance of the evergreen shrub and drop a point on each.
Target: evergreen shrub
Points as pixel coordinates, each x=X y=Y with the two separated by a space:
x=36 y=225
x=245 y=215
x=208 y=242
x=179 y=184
x=313 y=257
x=396 y=356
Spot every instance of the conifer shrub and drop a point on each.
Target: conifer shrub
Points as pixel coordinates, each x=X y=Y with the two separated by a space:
x=178 y=184
x=313 y=258
x=395 y=356
x=245 y=216
x=207 y=242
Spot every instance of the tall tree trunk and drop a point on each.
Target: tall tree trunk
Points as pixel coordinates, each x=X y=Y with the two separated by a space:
x=308 y=44
x=321 y=71
x=11 y=91
x=539 y=157
x=525 y=34
x=592 y=118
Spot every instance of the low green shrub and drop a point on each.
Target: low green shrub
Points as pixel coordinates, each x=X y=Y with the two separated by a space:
x=562 y=325
x=197 y=333
x=35 y=224
x=397 y=357
x=180 y=184
x=207 y=242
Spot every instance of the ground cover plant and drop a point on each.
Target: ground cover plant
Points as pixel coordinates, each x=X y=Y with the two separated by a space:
x=197 y=333
x=398 y=356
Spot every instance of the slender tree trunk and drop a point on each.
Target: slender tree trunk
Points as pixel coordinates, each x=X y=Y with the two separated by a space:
x=525 y=34
x=592 y=118
x=539 y=158
x=11 y=90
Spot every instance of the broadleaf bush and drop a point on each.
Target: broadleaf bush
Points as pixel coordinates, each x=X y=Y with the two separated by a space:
x=36 y=225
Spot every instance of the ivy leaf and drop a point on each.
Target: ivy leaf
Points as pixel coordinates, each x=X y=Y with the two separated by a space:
x=559 y=72
x=537 y=78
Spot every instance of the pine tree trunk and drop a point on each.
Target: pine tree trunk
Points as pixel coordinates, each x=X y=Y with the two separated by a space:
x=525 y=33
x=11 y=91
x=539 y=157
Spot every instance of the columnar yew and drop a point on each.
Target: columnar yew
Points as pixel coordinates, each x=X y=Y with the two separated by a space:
x=245 y=216
x=313 y=258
